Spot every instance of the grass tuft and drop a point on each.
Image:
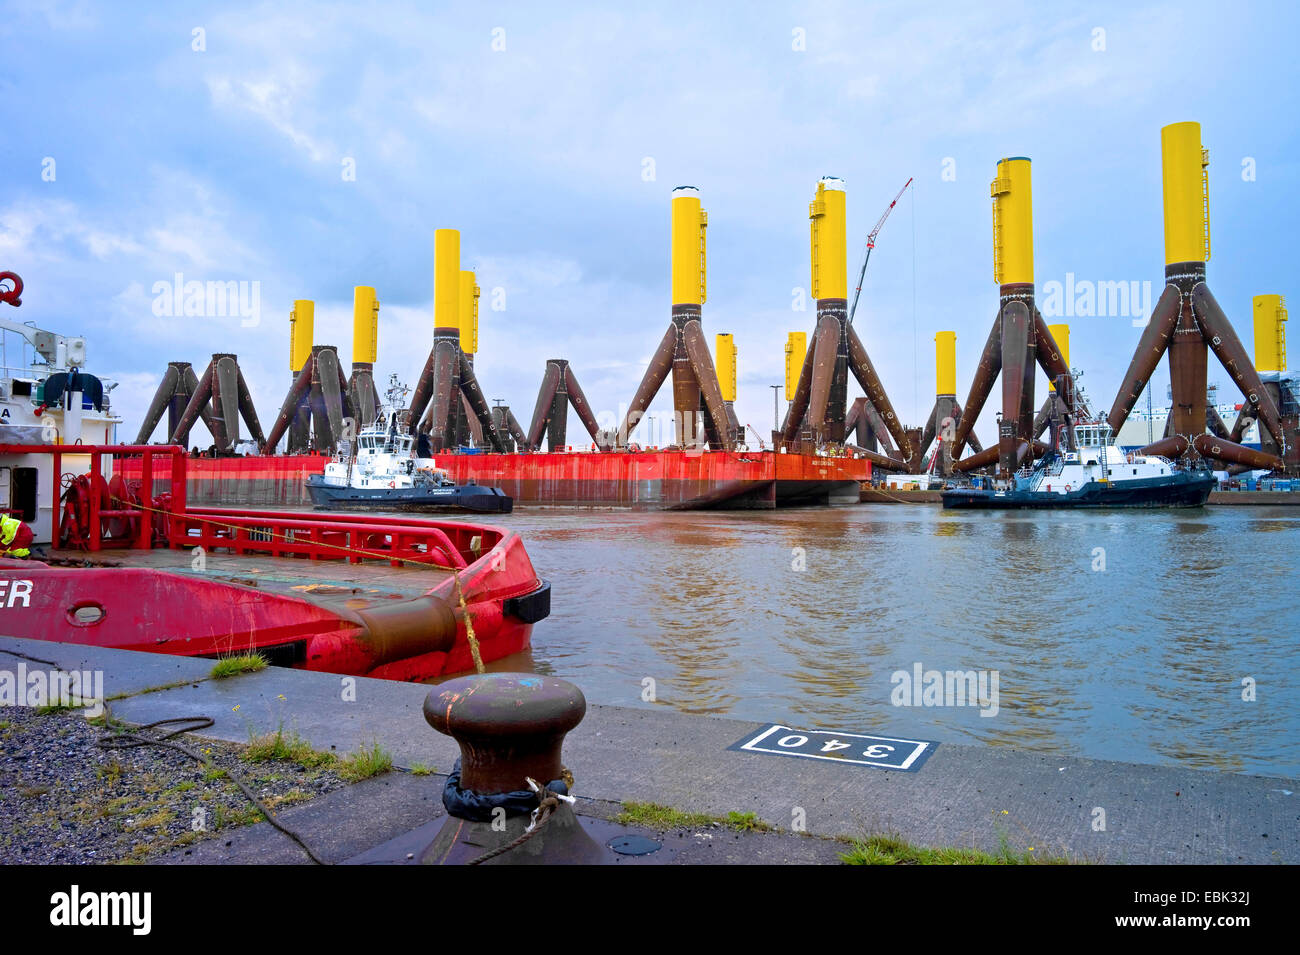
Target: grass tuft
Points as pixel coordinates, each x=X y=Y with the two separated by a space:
x=241 y=663
x=286 y=747
x=650 y=815
x=365 y=763
x=891 y=850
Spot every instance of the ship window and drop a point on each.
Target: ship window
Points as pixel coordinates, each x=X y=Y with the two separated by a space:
x=22 y=389
x=1135 y=470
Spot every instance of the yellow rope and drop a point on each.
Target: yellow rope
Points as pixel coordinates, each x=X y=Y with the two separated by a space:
x=876 y=490
x=469 y=628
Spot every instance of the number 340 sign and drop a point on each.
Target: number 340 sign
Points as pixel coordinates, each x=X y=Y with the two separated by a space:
x=881 y=752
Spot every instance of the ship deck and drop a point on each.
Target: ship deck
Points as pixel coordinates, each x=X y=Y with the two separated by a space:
x=326 y=582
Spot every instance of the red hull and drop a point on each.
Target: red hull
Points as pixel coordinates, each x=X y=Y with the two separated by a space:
x=646 y=479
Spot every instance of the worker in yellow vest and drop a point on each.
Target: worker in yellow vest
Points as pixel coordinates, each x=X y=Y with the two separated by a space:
x=15 y=537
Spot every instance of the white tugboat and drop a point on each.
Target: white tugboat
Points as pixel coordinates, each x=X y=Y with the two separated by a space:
x=1098 y=473
x=384 y=469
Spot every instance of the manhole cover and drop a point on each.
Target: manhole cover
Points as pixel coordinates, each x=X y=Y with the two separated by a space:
x=633 y=845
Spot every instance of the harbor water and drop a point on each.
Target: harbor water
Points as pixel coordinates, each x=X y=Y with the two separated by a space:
x=1165 y=637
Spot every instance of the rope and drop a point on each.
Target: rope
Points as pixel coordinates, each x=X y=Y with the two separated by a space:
x=134 y=740
x=897 y=500
x=469 y=627
x=547 y=802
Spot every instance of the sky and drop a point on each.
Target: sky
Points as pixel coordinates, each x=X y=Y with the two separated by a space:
x=304 y=149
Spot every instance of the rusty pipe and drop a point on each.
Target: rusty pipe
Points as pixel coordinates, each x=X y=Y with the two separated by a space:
x=542 y=410
x=1212 y=446
x=985 y=374
x=1227 y=347
x=879 y=460
x=697 y=350
x=656 y=373
x=1016 y=331
x=865 y=372
x=300 y=388
x=1151 y=348
x=477 y=404
x=798 y=408
x=583 y=407
x=161 y=399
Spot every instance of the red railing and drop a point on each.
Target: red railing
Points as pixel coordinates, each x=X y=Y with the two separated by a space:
x=317 y=538
x=94 y=540
x=281 y=534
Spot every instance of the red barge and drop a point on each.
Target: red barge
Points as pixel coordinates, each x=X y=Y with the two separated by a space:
x=638 y=479
x=136 y=567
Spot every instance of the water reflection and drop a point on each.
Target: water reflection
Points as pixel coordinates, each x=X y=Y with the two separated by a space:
x=1139 y=661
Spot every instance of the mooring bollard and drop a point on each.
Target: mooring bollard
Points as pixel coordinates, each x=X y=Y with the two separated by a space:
x=510 y=728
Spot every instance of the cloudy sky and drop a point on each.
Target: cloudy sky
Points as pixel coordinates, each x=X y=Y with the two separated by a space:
x=215 y=141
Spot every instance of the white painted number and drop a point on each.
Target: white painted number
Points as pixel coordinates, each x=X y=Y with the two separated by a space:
x=834 y=745
x=877 y=751
x=790 y=742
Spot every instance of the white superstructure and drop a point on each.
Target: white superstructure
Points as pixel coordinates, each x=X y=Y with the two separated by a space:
x=1098 y=457
x=46 y=397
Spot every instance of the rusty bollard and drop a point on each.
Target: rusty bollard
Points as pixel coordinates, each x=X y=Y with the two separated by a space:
x=510 y=727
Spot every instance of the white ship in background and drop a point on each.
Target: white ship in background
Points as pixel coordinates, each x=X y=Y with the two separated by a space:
x=1147 y=425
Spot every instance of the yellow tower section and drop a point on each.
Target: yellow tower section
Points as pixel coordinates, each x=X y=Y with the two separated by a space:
x=828 y=240
x=1061 y=335
x=301 y=328
x=446 y=279
x=945 y=363
x=796 y=345
x=1270 y=333
x=469 y=292
x=365 y=324
x=689 y=221
x=726 y=362
x=1013 y=223
x=1185 y=167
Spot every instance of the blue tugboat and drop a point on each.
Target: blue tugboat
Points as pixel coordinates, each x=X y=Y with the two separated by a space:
x=385 y=470
x=1096 y=474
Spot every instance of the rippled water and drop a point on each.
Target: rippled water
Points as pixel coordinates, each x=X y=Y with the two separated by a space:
x=1142 y=661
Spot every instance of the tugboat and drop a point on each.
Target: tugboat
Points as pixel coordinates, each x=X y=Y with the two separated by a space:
x=380 y=470
x=1096 y=474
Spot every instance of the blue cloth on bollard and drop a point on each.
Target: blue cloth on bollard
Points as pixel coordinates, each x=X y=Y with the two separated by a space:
x=477 y=807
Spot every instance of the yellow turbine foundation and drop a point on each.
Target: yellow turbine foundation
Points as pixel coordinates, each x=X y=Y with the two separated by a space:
x=301 y=328
x=469 y=294
x=446 y=279
x=1013 y=223
x=689 y=222
x=726 y=362
x=1270 y=333
x=945 y=363
x=828 y=240
x=796 y=345
x=1184 y=165
x=365 y=324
